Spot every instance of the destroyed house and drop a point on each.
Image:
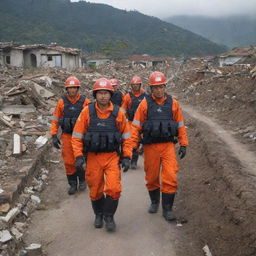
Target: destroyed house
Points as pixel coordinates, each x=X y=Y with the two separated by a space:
x=238 y=55
x=95 y=60
x=39 y=55
x=148 y=61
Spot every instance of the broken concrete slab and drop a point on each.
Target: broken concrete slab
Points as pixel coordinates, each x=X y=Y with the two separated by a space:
x=34 y=250
x=42 y=140
x=5 y=236
x=16 y=144
x=10 y=215
x=18 y=109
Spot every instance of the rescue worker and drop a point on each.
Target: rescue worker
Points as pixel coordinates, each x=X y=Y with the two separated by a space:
x=66 y=112
x=130 y=105
x=117 y=97
x=159 y=118
x=99 y=132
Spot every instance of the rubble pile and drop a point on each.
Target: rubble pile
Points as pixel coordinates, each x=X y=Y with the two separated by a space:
x=226 y=93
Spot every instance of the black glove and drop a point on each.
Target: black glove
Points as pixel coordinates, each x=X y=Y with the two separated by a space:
x=55 y=141
x=182 y=152
x=126 y=164
x=80 y=160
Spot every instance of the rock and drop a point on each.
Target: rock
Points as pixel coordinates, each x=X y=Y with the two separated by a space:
x=34 y=250
x=5 y=207
x=18 y=235
x=10 y=215
x=5 y=236
x=41 y=141
x=22 y=253
x=20 y=225
x=35 y=199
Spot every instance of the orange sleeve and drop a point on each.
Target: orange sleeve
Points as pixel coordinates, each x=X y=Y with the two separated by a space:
x=178 y=117
x=126 y=101
x=124 y=127
x=138 y=121
x=57 y=114
x=80 y=129
x=86 y=102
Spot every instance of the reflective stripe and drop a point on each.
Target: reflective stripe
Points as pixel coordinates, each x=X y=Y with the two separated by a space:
x=123 y=110
x=136 y=122
x=126 y=135
x=55 y=118
x=180 y=124
x=77 y=135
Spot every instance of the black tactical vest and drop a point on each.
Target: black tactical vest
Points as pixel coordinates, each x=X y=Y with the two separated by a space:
x=102 y=134
x=159 y=126
x=71 y=113
x=134 y=105
x=117 y=98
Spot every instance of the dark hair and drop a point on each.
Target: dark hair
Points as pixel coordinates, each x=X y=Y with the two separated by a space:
x=94 y=93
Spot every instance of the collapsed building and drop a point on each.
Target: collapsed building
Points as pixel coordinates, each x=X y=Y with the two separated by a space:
x=39 y=55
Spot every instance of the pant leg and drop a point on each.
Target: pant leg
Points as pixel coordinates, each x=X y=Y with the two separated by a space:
x=112 y=172
x=169 y=168
x=67 y=154
x=152 y=163
x=95 y=175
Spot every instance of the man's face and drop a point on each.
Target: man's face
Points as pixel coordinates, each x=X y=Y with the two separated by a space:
x=72 y=91
x=103 y=97
x=135 y=87
x=158 y=90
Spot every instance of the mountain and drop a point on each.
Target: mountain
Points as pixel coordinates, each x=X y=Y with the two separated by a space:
x=231 y=31
x=97 y=27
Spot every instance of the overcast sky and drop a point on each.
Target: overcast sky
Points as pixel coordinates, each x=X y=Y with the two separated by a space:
x=167 y=8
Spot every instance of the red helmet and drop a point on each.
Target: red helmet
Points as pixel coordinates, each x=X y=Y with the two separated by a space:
x=72 y=81
x=157 y=78
x=102 y=84
x=114 y=81
x=136 y=80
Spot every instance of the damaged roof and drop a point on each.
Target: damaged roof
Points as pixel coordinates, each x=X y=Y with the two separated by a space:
x=241 y=51
x=74 y=51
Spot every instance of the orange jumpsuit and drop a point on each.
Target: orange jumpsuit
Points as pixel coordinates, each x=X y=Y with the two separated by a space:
x=67 y=150
x=159 y=156
x=102 y=169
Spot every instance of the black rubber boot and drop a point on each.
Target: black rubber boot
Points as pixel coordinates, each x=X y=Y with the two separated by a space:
x=98 y=206
x=81 y=178
x=135 y=157
x=72 y=181
x=110 y=207
x=167 y=203
x=155 y=198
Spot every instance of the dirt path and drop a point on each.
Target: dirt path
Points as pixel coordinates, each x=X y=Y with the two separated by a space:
x=66 y=227
x=210 y=170
x=246 y=157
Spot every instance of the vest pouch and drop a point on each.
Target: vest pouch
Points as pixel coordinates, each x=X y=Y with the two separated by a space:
x=173 y=128
x=95 y=142
x=156 y=129
x=103 y=142
x=111 y=145
x=164 y=129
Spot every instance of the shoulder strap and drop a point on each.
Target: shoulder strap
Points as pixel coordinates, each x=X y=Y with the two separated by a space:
x=115 y=111
x=92 y=110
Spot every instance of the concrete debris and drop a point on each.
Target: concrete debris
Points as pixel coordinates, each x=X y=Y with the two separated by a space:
x=41 y=141
x=16 y=145
x=18 y=109
x=35 y=199
x=34 y=250
x=17 y=234
x=207 y=251
x=10 y=215
x=5 y=236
